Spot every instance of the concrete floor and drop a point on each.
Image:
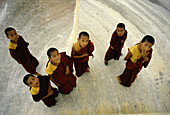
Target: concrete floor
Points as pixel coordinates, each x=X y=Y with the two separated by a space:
x=56 y=23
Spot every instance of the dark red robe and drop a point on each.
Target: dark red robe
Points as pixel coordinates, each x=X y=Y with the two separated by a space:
x=22 y=55
x=115 y=43
x=81 y=64
x=67 y=81
x=132 y=69
x=43 y=91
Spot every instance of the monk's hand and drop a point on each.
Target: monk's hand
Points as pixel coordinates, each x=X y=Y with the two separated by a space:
x=139 y=69
x=58 y=84
x=92 y=56
x=50 y=92
x=144 y=55
x=122 y=41
x=85 y=54
x=67 y=70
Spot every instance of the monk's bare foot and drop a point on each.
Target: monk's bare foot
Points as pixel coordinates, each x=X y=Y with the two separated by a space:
x=88 y=70
x=105 y=62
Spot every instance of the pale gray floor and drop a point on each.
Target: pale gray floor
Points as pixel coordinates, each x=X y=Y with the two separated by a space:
x=49 y=23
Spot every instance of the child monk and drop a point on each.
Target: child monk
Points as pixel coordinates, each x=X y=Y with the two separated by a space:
x=81 y=51
x=41 y=89
x=18 y=49
x=116 y=43
x=60 y=70
x=138 y=56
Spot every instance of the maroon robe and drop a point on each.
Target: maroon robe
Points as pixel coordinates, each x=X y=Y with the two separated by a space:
x=115 y=43
x=22 y=55
x=43 y=91
x=132 y=69
x=67 y=81
x=81 y=64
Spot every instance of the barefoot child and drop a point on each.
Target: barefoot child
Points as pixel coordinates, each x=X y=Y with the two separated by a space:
x=18 y=49
x=138 y=56
x=116 y=43
x=60 y=70
x=81 y=51
x=41 y=89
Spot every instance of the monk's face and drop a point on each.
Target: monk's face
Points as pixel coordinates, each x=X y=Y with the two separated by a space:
x=146 y=46
x=83 y=41
x=33 y=81
x=55 y=57
x=12 y=35
x=120 y=31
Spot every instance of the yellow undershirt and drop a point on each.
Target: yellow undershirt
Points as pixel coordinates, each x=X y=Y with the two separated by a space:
x=50 y=68
x=136 y=55
x=34 y=90
x=12 y=46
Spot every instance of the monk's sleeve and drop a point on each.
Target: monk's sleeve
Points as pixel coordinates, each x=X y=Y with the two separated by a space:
x=111 y=41
x=114 y=35
x=91 y=49
x=12 y=54
x=69 y=63
x=36 y=98
x=26 y=43
x=72 y=52
x=145 y=64
x=125 y=35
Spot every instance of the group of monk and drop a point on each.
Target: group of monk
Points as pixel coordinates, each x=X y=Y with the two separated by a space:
x=60 y=66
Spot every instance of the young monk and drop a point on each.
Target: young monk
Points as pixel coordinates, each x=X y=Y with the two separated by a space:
x=60 y=70
x=81 y=51
x=41 y=89
x=138 y=56
x=116 y=43
x=18 y=49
